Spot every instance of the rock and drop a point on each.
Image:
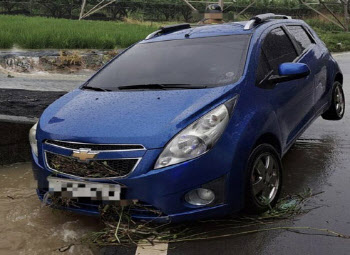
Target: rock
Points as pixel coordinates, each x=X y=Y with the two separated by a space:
x=67 y=61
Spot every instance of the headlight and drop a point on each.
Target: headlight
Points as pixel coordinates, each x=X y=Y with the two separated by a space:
x=32 y=139
x=197 y=138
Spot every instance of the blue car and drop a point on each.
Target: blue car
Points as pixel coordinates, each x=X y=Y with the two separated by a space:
x=190 y=123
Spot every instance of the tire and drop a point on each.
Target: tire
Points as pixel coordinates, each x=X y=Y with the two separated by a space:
x=337 y=109
x=262 y=191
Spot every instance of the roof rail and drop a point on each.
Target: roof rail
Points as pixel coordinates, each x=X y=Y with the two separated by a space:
x=262 y=18
x=168 y=29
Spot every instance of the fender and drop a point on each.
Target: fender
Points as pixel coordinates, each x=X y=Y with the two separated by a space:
x=249 y=130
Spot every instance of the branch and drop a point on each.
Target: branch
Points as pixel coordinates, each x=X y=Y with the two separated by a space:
x=320 y=13
x=82 y=9
x=103 y=6
x=190 y=5
x=241 y=12
x=332 y=13
x=327 y=231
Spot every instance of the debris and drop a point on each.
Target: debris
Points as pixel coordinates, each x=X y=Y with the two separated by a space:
x=288 y=205
x=120 y=229
x=65 y=248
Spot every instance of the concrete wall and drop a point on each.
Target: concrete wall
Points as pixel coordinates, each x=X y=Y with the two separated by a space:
x=14 y=143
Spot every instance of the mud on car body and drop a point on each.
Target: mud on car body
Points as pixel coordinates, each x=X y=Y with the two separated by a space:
x=191 y=122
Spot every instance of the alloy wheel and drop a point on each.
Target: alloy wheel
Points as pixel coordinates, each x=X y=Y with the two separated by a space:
x=339 y=101
x=265 y=179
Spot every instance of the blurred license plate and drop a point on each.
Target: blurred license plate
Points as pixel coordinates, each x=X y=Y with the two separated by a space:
x=80 y=189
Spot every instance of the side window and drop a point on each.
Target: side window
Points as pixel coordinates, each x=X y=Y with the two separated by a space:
x=263 y=68
x=277 y=48
x=301 y=36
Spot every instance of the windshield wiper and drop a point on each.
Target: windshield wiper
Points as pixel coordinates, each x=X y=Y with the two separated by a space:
x=162 y=86
x=95 y=88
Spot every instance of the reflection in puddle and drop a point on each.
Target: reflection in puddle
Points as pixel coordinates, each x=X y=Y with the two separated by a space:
x=308 y=163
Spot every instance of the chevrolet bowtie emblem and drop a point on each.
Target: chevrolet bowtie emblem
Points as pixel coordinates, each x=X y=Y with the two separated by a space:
x=84 y=154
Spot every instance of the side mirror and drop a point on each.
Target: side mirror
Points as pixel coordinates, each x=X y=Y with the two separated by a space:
x=287 y=72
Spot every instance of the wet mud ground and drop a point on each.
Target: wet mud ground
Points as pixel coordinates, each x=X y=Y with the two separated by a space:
x=320 y=160
x=19 y=102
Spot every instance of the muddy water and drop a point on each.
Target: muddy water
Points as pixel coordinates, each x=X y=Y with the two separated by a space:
x=26 y=228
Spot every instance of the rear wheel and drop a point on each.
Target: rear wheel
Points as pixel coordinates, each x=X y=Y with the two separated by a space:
x=264 y=179
x=337 y=109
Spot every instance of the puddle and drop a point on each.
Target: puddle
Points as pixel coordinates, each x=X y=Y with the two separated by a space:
x=26 y=228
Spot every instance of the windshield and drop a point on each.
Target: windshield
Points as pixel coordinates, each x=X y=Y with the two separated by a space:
x=211 y=61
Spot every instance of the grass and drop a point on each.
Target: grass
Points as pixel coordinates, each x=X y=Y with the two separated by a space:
x=334 y=37
x=43 y=33
x=335 y=41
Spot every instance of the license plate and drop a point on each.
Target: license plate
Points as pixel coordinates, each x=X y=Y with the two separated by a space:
x=82 y=189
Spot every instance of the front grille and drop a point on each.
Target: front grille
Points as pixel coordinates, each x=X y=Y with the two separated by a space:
x=95 y=147
x=91 y=169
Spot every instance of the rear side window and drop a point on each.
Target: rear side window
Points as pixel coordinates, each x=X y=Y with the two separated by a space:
x=277 y=48
x=301 y=36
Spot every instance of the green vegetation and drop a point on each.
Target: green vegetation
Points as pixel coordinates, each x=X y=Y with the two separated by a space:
x=333 y=36
x=42 y=33
x=335 y=41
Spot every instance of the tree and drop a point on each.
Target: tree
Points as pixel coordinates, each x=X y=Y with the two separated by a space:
x=167 y=10
x=60 y=8
x=121 y=10
x=185 y=12
x=8 y=5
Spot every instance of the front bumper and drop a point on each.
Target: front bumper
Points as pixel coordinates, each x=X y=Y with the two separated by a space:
x=146 y=215
x=164 y=189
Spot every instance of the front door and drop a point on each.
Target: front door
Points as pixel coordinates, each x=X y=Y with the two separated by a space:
x=292 y=101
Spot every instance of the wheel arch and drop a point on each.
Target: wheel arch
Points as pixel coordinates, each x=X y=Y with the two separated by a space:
x=271 y=139
x=339 y=77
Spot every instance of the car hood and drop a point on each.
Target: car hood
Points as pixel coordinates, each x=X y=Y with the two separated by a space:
x=150 y=118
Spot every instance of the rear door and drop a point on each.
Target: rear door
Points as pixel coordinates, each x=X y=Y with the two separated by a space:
x=293 y=100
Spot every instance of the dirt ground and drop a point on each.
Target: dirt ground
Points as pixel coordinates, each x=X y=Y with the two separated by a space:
x=18 y=102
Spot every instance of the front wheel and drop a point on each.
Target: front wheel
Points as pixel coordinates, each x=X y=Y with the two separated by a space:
x=337 y=109
x=264 y=179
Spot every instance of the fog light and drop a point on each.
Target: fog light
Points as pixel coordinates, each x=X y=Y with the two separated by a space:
x=200 y=196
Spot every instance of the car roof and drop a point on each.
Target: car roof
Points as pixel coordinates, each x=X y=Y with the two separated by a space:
x=231 y=28
x=203 y=31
